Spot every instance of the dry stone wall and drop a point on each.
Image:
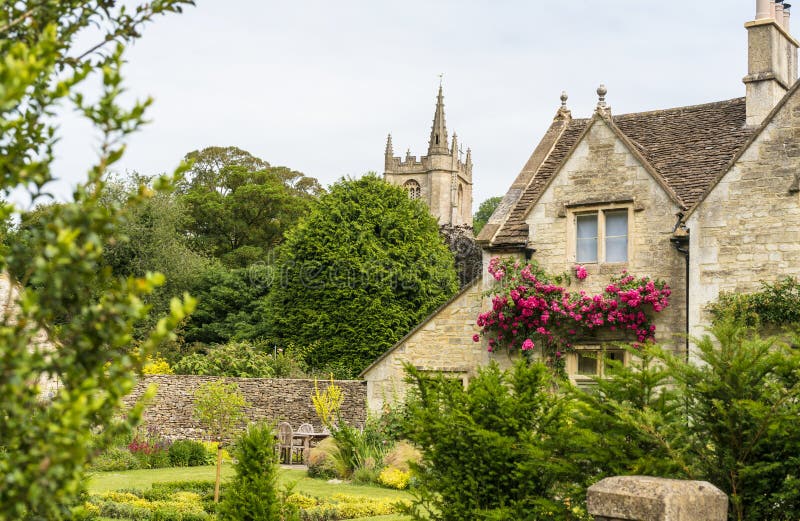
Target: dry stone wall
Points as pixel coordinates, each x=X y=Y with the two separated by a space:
x=274 y=400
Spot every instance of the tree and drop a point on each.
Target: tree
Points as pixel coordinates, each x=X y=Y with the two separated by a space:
x=743 y=401
x=485 y=210
x=46 y=442
x=252 y=492
x=227 y=305
x=239 y=206
x=219 y=407
x=357 y=273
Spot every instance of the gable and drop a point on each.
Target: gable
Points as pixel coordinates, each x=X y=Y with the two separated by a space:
x=684 y=148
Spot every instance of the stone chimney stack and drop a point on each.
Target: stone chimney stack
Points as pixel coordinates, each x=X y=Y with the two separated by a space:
x=771 y=61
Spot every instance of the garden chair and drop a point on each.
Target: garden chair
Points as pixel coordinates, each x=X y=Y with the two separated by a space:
x=305 y=428
x=286 y=447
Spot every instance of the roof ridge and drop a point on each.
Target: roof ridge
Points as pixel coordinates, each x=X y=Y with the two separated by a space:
x=684 y=107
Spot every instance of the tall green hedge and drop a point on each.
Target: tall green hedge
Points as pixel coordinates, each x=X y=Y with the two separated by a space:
x=362 y=269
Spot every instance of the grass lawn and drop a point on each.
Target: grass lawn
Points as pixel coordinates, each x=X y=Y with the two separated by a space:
x=143 y=479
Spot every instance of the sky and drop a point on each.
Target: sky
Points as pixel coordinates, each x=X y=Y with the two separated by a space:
x=317 y=85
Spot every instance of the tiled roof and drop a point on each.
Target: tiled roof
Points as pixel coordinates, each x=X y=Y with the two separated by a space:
x=688 y=146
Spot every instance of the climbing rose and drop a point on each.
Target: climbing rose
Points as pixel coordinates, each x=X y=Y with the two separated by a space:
x=529 y=304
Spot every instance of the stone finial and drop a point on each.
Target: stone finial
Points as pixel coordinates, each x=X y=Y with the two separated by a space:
x=601 y=94
x=602 y=106
x=646 y=498
x=563 y=111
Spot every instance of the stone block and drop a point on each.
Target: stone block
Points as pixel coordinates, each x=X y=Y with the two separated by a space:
x=644 y=498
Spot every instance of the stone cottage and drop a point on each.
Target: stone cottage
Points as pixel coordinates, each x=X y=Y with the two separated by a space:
x=706 y=197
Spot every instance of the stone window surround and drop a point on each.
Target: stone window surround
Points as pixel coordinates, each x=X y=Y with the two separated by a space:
x=571 y=211
x=454 y=373
x=571 y=361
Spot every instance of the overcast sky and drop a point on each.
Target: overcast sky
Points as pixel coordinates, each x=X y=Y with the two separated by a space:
x=317 y=85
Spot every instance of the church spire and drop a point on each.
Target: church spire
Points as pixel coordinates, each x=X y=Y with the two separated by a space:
x=389 y=148
x=438 y=141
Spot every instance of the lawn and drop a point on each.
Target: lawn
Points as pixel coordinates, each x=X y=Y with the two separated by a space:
x=143 y=479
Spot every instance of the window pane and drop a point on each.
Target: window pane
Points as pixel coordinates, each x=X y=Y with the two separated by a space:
x=587 y=363
x=587 y=226
x=586 y=250
x=616 y=236
x=616 y=249
x=616 y=223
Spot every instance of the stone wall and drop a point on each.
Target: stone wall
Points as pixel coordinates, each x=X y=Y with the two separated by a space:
x=443 y=344
x=748 y=228
x=270 y=399
x=602 y=174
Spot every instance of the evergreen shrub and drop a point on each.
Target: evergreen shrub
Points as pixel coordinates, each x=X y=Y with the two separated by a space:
x=493 y=450
x=188 y=453
x=252 y=493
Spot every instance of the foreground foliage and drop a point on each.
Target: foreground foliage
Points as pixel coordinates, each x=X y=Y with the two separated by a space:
x=493 y=450
x=45 y=443
x=517 y=441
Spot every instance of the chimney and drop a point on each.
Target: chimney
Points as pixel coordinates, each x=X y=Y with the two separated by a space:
x=786 y=16
x=771 y=61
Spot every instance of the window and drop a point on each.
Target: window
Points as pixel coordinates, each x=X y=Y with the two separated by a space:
x=456 y=376
x=588 y=362
x=413 y=189
x=601 y=236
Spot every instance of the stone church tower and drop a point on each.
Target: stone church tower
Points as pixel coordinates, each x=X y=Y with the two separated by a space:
x=441 y=178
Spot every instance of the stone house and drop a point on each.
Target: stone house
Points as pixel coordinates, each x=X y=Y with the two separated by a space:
x=706 y=197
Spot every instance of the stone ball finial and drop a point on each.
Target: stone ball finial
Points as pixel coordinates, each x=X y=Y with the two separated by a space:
x=564 y=99
x=601 y=93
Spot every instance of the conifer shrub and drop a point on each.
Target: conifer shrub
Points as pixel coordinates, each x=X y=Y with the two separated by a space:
x=493 y=450
x=252 y=493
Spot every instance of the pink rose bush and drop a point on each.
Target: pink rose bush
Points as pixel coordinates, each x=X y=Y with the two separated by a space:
x=530 y=309
x=580 y=272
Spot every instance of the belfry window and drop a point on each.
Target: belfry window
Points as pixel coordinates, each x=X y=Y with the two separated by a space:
x=413 y=189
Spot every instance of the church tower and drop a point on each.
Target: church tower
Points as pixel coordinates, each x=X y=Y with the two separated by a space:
x=441 y=178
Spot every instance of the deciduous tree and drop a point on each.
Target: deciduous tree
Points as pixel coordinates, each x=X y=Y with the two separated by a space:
x=219 y=407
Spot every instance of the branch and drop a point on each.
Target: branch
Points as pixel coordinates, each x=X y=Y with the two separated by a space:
x=19 y=20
